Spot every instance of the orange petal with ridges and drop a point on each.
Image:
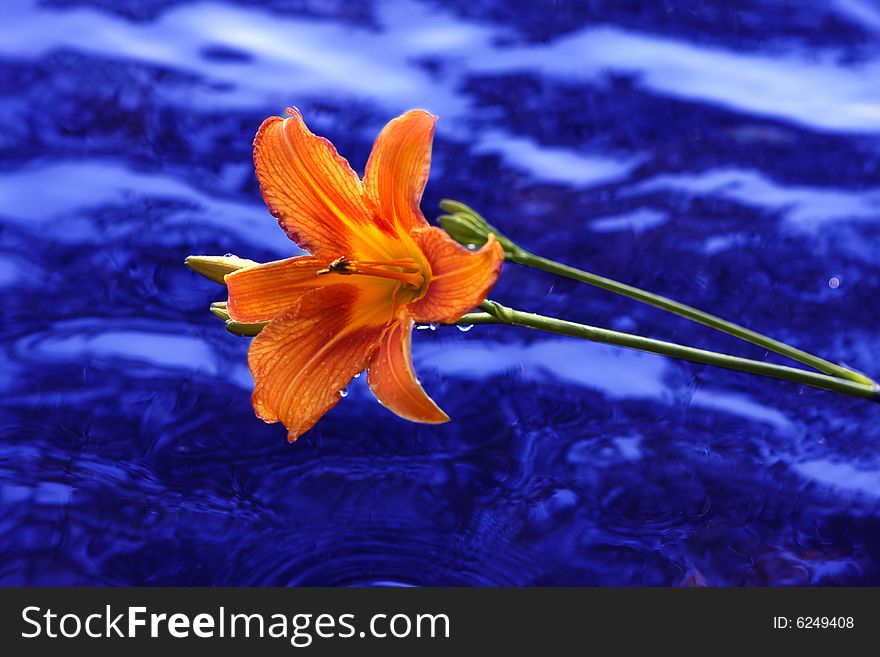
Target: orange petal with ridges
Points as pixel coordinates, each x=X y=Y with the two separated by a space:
x=311 y=190
x=398 y=168
x=392 y=379
x=460 y=278
x=304 y=358
x=261 y=292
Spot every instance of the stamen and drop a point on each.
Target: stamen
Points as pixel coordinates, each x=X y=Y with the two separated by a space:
x=405 y=270
x=407 y=264
x=411 y=278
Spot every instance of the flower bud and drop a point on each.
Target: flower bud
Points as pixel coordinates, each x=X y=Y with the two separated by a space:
x=463 y=229
x=216 y=267
x=218 y=308
x=467 y=227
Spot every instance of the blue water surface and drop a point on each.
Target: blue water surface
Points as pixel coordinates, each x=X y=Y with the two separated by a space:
x=726 y=154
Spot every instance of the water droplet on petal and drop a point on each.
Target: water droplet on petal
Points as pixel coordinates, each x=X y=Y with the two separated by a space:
x=432 y=326
x=464 y=328
x=358 y=375
x=343 y=392
x=422 y=327
x=834 y=282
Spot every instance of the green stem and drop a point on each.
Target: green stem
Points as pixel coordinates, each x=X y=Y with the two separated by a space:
x=502 y=314
x=467 y=226
x=683 y=310
x=472 y=319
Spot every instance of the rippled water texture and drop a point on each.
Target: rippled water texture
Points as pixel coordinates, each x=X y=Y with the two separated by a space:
x=724 y=153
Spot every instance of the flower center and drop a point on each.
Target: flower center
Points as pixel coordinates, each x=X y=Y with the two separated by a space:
x=405 y=270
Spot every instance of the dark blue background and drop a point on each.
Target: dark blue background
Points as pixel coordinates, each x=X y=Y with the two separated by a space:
x=724 y=153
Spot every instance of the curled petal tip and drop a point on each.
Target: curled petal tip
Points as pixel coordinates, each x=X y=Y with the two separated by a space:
x=393 y=380
x=442 y=418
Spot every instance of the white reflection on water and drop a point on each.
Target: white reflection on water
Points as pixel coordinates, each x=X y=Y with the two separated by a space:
x=741 y=406
x=158 y=349
x=840 y=475
x=805 y=207
x=590 y=365
x=811 y=89
x=555 y=164
x=615 y=372
x=28 y=199
x=862 y=11
x=636 y=221
x=290 y=58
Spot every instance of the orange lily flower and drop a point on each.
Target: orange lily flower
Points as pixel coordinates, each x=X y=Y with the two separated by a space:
x=376 y=267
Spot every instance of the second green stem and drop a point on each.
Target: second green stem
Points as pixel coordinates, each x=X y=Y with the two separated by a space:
x=496 y=313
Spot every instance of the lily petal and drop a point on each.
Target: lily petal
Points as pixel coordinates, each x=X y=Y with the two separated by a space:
x=398 y=168
x=304 y=358
x=460 y=278
x=392 y=379
x=262 y=292
x=311 y=190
